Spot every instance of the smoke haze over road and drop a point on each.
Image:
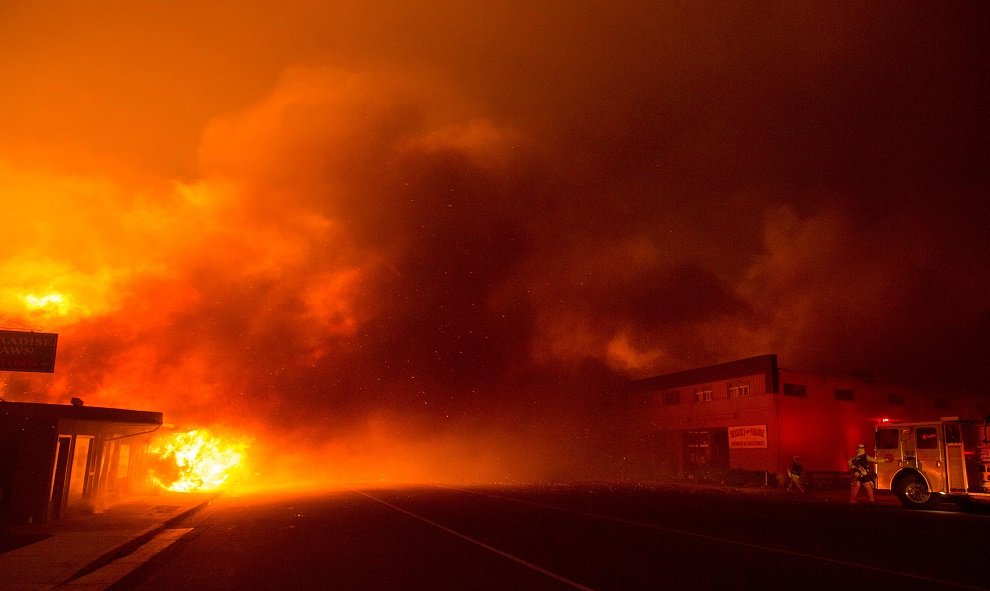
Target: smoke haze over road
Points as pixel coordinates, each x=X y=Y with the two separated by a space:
x=459 y=228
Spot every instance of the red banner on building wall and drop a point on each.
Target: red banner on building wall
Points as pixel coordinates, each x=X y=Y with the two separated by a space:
x=750 y=436
x=27 y=351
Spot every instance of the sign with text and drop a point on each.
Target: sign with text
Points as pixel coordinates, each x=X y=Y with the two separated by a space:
x=27 y=351
x=748 y=436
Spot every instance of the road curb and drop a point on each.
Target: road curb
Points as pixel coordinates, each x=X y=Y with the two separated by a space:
x=135 y=542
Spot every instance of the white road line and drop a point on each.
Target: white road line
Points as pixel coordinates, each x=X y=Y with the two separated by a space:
x=511 y=557
x=690 y=534
x=104 y=577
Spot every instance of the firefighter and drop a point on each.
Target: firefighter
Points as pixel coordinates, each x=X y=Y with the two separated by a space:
x=794 y=474
x=863 y=474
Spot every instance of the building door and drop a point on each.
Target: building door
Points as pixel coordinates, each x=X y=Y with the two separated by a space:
x=79 y=480
x=695 y=450
x=706 y=451
x=720 y=448
x=60 y=471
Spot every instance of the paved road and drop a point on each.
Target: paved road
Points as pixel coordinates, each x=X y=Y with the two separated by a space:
x=567 y=538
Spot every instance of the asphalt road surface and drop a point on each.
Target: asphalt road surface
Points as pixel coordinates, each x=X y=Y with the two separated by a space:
x=567 y=537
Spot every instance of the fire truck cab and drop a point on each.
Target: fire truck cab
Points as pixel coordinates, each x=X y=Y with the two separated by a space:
x=923 y=462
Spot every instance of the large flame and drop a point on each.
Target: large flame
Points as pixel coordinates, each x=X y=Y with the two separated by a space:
x=54 y=303
x=196 y=461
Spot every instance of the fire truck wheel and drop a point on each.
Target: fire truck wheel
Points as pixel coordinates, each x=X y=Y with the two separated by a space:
x=914 y=494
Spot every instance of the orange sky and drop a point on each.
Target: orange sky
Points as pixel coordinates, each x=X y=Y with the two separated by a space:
x=437 y=224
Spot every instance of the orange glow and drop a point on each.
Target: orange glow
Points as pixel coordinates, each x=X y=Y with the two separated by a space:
x=196 y=461
x=379 y=260
x=55 y=304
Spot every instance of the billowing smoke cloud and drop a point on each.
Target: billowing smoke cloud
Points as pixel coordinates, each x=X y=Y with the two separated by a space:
x=432 y=247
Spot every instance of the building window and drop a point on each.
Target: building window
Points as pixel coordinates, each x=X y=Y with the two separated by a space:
x=671 y=398
x=896 y=399
x=738 y=390
x=844 y=394
x=795 y=390
x=703 y=395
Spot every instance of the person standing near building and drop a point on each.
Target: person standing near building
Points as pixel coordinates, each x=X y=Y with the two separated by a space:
x=863 y=473
x=794 y=475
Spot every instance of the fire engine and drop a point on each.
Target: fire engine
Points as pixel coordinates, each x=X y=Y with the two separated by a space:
x=924 y=462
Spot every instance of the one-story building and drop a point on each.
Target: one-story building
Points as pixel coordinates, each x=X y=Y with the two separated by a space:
x=56 y=458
